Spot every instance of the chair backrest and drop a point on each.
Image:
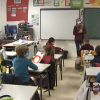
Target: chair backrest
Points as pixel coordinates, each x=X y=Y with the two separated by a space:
x=87 y=52
x=82 y=92
x=52 y=66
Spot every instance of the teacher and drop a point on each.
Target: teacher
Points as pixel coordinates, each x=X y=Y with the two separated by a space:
x=79 y=31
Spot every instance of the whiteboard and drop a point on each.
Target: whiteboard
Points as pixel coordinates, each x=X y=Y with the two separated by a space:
x=58 y=23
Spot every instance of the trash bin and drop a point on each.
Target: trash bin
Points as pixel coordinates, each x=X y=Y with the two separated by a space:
x=65 y=53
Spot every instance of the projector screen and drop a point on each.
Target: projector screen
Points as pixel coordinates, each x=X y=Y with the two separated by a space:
x=58 y=23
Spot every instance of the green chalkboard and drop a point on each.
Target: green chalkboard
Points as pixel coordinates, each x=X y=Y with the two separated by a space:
x=92 y=22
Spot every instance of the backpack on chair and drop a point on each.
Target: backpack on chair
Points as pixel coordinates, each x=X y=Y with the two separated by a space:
x=2 y=68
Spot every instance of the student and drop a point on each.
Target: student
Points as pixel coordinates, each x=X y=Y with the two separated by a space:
x=21 y=64
x=96 y=57
x=48 y=54
x=49 y=59
x=86 y=46
x=51 y=42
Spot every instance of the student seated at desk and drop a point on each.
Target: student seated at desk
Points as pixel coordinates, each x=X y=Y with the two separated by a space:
x=21 y=64
x=96 y=59
x=86 y=46
x=48 y=58
x=48 y=54
x=50 y=42
x=3 y=59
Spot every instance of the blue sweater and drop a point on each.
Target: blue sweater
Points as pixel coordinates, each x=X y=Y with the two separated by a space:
x=21 y=65
x=98 y=78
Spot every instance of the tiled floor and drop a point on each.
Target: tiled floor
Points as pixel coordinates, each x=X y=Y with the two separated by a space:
x=68 y=87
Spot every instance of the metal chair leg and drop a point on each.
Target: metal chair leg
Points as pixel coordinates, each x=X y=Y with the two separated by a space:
x=61 y=67
x=40 y=87
x=48 y=84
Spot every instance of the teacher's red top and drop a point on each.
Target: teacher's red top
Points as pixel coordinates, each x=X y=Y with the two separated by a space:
x=79 y=36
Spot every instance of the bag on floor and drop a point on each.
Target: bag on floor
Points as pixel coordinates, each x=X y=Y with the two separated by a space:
x=78 y=65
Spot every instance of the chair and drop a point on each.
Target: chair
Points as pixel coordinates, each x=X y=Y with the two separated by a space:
x=83 y=54
x=52 y=73
x=2 y=68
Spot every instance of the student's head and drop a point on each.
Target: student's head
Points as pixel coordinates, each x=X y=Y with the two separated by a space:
x=86 y=40
x=1 y=42
x=22 y=51
x=78 y=21
x=51 y=40
x=97 y=50
x=48 y=50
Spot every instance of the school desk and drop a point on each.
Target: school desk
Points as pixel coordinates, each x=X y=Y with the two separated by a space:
x=10 y=53
x=37 y=73
x=18 y=92
x=92 y=71
x=12 y=46
x=57 y=57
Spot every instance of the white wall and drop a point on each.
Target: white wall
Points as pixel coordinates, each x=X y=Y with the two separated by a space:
x=69 y=45
x=2 y=15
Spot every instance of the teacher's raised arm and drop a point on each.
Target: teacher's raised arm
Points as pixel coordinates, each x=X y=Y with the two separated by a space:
x=79 y=31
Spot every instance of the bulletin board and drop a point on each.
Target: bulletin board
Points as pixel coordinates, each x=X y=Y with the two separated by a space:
x=17 y=10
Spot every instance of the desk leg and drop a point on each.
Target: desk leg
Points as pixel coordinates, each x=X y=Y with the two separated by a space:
x=35 y=50
x=40 y=87
x=48 y=84
x=56 y=74
x=63 y=59
x=61 y=67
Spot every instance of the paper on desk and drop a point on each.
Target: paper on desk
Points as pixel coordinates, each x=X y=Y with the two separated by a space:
x=20 y=42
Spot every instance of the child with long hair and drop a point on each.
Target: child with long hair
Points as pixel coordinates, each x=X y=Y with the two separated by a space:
x=48 y=58
x=48 y=54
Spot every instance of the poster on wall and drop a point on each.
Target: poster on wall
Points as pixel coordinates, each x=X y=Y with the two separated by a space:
x=17 y=1
x=67 y=2
x=35 y=19
x=13 y=14
x=91 y=3
x=17 y=10
x=35 y=3
x=41 y=2
x=77 y=3
x=56 y=2
x=62 y=2
x=46 y=2
x=51 y=2
x=24 y=9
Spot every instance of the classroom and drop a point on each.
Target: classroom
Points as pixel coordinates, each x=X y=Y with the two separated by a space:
x=49 y=49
